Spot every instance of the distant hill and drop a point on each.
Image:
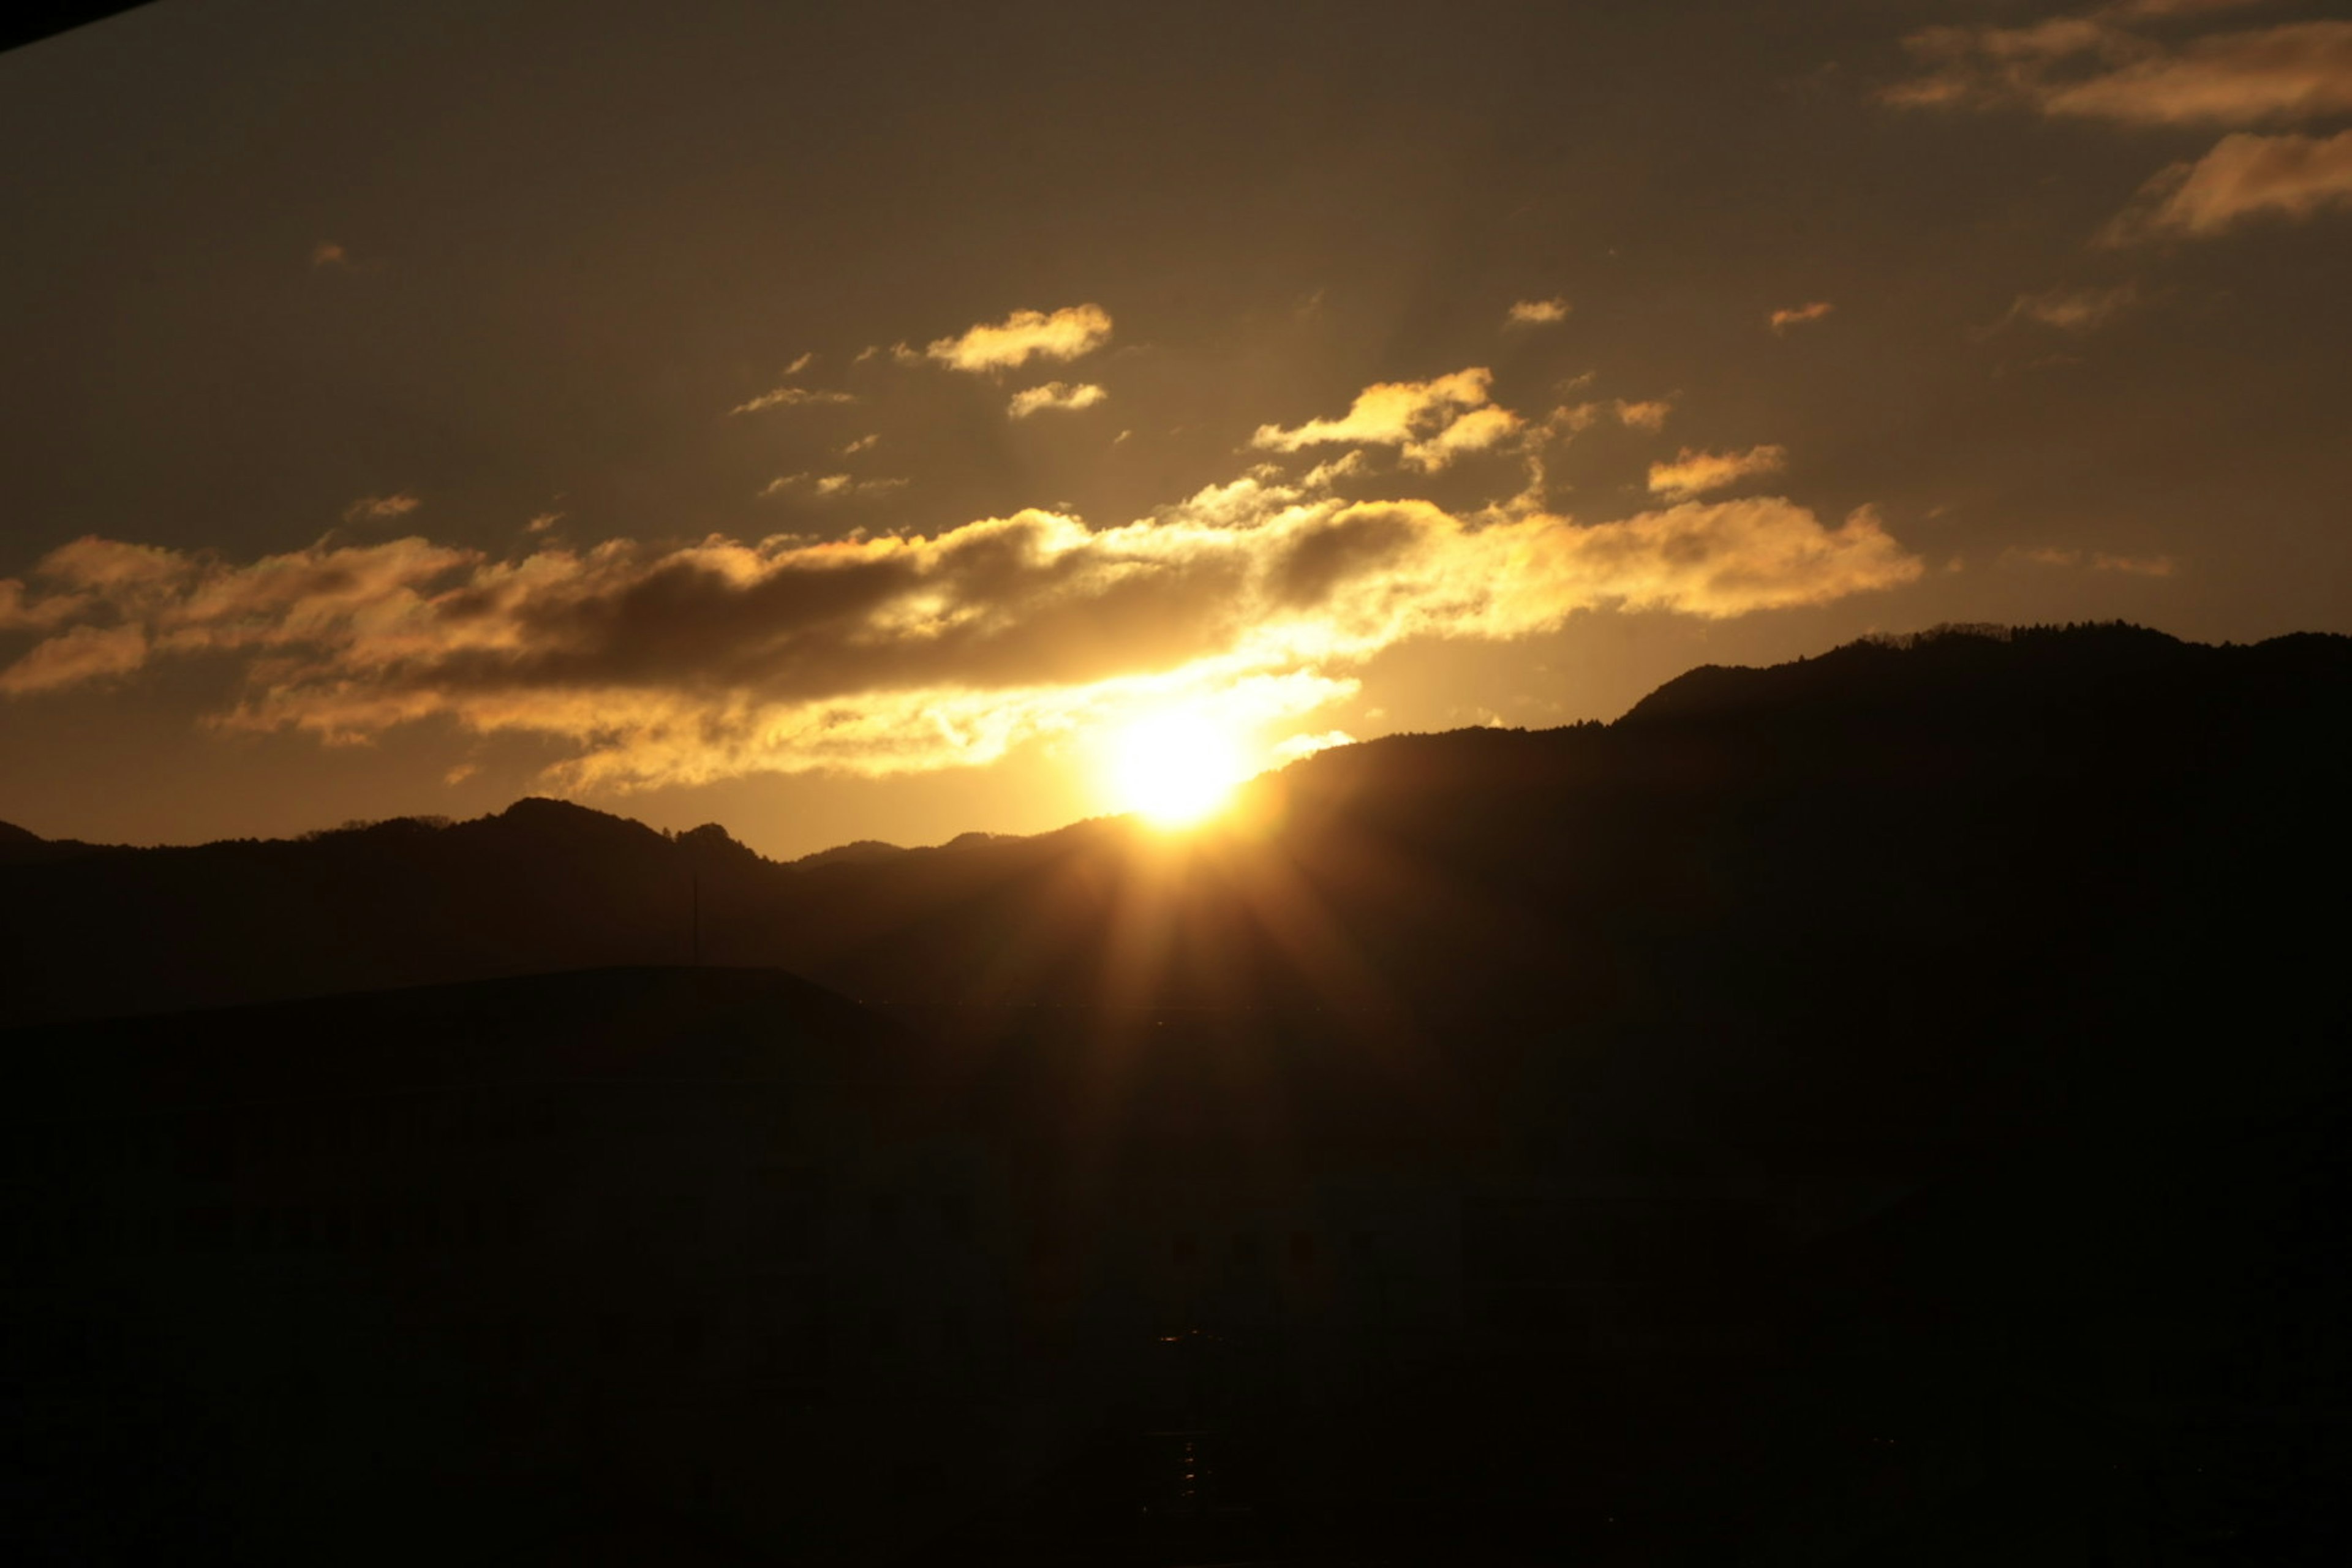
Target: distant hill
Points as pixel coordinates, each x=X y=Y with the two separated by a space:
x=1958 y=838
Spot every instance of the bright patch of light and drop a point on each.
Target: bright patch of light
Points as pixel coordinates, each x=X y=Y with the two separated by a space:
x=1175 y=768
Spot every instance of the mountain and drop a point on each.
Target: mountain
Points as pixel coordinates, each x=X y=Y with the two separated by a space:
x=1956 y=816
x=1886 y=1106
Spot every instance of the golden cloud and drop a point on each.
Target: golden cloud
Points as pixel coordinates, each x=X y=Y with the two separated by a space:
x=790 y=397
x=1477 y=431
x=1537 y=313
x=1649 y=415
x=831 y=487
x=1694 y=473
x=1054 y=395
x=381 y=509
x=2292 y=72
x=1023 y=335
x=1430 y=422
x=2244 y=176
x=1799 y=315
x=675 y=663
x=74 y=657
x=2072 y=309
x=2092 y=66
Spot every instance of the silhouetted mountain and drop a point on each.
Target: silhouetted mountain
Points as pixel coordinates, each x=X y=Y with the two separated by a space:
x=1889 y=1107
x=20 y=847
x=1830 y=836
x=862 y=849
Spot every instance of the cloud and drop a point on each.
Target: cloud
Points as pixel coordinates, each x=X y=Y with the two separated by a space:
x=1054 y=395
x=2092 y=66
x=1430 y=422
x=112 y=567
x=2097 y=65
x=790 y=397
x=1799 y=315
x=862 y=444
x=2095 y=561
x=381 y=509
x=1477 y=431
x=2072 y=309
x=1694 y=473
x=1986 y=66
x=1569 y=418
x=2297 y=71
x=1324 y=475
x=2244 y=176
x=1063 y=334
x=1650 y=417
x=801 y=363
x=2136 y=9
x=1537 y=313
x=76 y=656
x=654 y=663
x=326 y=253
x=831 y=487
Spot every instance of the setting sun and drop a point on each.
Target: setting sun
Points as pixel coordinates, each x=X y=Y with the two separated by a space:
x=1173 y=768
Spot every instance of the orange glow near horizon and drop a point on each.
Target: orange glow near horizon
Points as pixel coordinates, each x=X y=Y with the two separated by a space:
x=1175 y=768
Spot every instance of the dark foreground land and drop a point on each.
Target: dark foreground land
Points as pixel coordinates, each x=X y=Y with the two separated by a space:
x=1891 y=1108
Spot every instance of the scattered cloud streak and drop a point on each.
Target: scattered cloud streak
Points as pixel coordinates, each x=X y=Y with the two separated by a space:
x=1054 y=395
x=1430 y=423
x=2095 y=561
x=2099 y=66
x=1695 y=473
x=381 y=509
x=2094 y=67
x=1024 y=335
x=792 y=397
x=1799 y=315
x=2245 y=176
x=1537 y=313
x=1649 y=415
x=2072 y=309
x=831 y=487
x=76 y=656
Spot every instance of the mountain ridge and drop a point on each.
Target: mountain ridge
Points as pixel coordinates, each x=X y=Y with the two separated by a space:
x=1594 y=867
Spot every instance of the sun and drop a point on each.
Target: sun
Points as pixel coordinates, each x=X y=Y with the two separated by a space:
x=1173 y=768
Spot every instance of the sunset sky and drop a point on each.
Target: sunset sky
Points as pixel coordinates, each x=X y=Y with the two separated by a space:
x=837 y=422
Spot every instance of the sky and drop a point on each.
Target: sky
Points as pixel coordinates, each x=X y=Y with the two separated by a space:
x=839 y=422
